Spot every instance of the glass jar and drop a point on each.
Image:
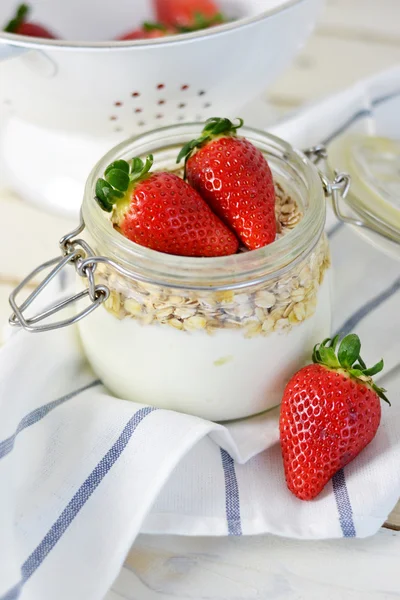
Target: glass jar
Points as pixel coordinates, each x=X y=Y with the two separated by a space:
x=214 y=337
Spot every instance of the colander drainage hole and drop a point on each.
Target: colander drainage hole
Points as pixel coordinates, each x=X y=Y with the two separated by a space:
x=161 y=86
x=118 y=103
x=201 y=93
x=113 y=118
x=141 y=123
x=159 y=116
x=161 y=102
x=181 y=105
x=135 y=94
x=138 y=110
x=184 y=87
x=207 y=104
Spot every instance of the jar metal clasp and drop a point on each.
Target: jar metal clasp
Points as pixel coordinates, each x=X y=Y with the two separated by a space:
x=338 y=189
x=74 y=251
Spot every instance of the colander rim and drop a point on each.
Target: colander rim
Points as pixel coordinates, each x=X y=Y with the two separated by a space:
x=114 y=45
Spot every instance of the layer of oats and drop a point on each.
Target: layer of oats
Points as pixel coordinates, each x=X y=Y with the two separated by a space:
x=276 y=305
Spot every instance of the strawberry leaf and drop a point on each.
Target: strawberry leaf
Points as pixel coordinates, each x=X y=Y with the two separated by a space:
x=137 y=165
x=348 y=358
x=200 y=21
x=122 y=165
x=118 y=179
x=381 y=393
x=217 y=126
x=147 y=26
x=213 y=127
x=139 y=168
x=104 y=195
x=328 y=357
x=334 y=342
x=356 y=373
x=349 y=350
x=316 y=357
x=187 y=149
x=18 y=19
x=375 y=369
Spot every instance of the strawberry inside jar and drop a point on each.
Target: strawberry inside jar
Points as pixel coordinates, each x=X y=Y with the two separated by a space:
x=217 y=267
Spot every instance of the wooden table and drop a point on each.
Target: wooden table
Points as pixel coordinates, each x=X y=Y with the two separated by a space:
x=354 y=39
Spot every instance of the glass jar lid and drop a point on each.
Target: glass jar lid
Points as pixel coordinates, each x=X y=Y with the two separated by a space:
x=373 y=164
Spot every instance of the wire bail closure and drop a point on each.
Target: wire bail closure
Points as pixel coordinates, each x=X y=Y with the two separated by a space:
x=75 y=252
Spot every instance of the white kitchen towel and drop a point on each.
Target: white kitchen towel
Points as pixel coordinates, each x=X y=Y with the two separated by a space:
x=82 y=473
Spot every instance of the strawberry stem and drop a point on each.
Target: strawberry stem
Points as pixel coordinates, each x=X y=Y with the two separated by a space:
x=18 y=19
x=117 y=178
x=213 y=127
x=348 y=358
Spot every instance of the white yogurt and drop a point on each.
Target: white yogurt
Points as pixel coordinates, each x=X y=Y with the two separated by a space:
x=219 y=377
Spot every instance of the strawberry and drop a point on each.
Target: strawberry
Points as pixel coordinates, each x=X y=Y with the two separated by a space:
x=189 y=15
x=234 y=178
x=330 y=411
x=19 y=24
x=148 y=31
x=161 y=211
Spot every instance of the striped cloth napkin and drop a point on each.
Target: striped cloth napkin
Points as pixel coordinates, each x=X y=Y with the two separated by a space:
x=82 y=473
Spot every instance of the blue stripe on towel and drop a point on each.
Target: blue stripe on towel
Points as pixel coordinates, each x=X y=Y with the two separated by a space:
x=14 y=593
x=365 y=112
x=36 y=415
x=77 y=502
x=383 y=99
x=343 y=504
x=368 y=307
x=232 y=501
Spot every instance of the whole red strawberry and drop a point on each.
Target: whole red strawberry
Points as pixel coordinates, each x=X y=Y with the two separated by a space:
x=330 y=411
x=148 y=31
x=161 y=211
x=234 y=178
x=20 y=25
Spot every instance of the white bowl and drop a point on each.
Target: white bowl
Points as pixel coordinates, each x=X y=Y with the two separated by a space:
x=71 y=96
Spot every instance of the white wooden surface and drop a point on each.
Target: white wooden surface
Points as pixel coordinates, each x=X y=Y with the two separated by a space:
x=355 y=38
x=261 y=568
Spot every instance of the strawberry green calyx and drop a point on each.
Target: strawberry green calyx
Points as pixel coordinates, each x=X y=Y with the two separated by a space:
x=200 y=21
x=20 y=17
x=347 y=358
x=147 y=26
x=118 y=176
x=217 y=126
x=213 y=127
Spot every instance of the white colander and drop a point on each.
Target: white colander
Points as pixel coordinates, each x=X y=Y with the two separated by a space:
x=73 y=99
